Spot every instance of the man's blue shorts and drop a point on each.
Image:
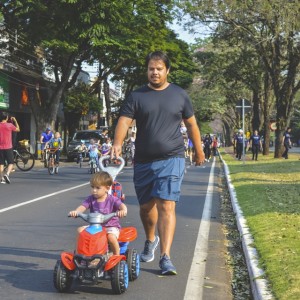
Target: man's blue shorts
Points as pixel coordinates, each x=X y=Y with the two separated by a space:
x=159 y=179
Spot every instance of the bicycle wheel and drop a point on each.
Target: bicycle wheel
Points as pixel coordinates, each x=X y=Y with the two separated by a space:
x=24 y=160
x=51 y=165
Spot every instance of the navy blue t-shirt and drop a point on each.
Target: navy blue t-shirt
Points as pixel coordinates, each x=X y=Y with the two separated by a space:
x=158 y=115
x=287 y=138
x=255 y=139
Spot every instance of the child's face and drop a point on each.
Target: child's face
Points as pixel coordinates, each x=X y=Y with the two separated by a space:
x=57 y=135
x=92 y=142
x=99 y=191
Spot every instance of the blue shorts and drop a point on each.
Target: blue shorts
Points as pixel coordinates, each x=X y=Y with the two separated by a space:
x=159 y=179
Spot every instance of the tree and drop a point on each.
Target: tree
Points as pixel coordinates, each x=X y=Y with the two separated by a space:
x=271 y=27
x=69 y=32
x=78 y=101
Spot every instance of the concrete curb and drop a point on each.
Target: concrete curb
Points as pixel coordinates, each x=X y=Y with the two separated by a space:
x=259 y=285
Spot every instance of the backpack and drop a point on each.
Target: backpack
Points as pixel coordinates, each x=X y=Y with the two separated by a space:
x=116 y=190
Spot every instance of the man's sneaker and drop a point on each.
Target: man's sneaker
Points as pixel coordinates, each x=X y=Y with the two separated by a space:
x=3 y=181
x=148 y=254
x=167 y=268
x=6 y=178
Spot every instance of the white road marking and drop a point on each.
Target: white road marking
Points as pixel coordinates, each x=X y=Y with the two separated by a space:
x=42 y=197
x=195 y=283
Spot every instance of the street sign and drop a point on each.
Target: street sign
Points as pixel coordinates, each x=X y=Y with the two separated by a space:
x=243 y=103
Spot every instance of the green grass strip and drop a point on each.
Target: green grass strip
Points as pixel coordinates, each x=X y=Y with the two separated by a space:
x=268 y=191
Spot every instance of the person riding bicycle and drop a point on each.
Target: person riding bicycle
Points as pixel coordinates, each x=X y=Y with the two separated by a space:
x=55 y=143
x=131 y=144
x=46 y=136
x=82 y=149
x=105 y=147
x=93 y=150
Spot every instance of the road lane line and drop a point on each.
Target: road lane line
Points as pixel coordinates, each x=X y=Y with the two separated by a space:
x=42 y=197
x=195 y=283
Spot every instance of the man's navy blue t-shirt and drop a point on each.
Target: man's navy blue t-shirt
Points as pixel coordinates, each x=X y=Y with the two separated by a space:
x=158 y=114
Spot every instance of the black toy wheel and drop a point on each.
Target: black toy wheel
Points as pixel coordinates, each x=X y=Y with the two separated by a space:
x=133 y=262
x=62 y=277
x=119 y=278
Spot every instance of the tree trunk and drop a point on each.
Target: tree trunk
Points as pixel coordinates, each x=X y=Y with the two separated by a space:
x=256 y=110
x=266 y=111
x=107 y=102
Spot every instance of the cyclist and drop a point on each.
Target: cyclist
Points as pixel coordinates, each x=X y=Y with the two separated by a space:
x=93 y=150
x=82 y=149
x=46 y=136
x=55 y=143
x=6 y=147
x=131 y=144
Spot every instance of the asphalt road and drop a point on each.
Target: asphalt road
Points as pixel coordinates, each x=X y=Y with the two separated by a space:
x=34 y=230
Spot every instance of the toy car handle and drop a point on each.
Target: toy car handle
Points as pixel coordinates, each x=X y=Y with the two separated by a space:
x=95 y=218
x=112 y=170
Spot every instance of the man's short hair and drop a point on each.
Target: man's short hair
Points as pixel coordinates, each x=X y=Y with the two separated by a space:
x=3 y=115
x=158 y=55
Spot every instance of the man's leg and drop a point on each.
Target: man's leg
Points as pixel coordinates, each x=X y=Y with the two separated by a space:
x=1 y=171
x=148 y=214
x=166 y=224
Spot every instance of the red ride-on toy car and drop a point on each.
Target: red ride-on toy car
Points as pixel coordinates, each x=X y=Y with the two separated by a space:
x=92 y=262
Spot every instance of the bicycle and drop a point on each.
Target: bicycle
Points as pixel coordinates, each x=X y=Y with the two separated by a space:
x=23 y=159
x=80 y=156
x=94 y=166
x=127 y=152
x=52 y=165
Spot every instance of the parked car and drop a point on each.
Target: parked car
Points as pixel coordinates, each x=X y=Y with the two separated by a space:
x=82 y=135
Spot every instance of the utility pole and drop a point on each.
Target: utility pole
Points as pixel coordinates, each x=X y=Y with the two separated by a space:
x=243 y=106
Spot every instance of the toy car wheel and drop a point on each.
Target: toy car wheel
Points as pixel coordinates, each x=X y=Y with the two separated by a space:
x=62 y=277
x=119 y=278
x=133 y=262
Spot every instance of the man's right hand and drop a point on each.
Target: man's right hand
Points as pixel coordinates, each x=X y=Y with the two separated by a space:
x=116 y=151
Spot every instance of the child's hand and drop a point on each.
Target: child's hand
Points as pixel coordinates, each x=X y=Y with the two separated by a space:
x=73 y=213
x=122 y=213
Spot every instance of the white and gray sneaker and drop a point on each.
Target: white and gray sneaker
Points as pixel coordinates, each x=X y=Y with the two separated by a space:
x=6 y=178
x=148 y=254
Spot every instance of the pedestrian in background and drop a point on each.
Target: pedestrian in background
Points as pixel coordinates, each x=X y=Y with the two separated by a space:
x=207 y=141
x=158 y=108
x=191 y=151
x=255 y=144
x=286 y=142
x=239 y=144
x=14 y=133
x=214 y=145
x=6 y=146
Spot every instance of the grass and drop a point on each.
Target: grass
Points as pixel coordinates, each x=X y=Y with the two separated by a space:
x=268 y=192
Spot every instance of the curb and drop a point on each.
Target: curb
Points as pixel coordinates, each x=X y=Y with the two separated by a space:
x=259 y=285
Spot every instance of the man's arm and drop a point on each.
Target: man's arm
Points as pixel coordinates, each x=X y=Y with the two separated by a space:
x=194 y=134
x=16 y=124
x=120 y=134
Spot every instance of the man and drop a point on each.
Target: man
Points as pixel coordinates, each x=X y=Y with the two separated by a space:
x=286 y=142
x=158 y=109
x=207 y=141
x=6 y=147
x=239 y=140
x=46 y=136
x=255 y=144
